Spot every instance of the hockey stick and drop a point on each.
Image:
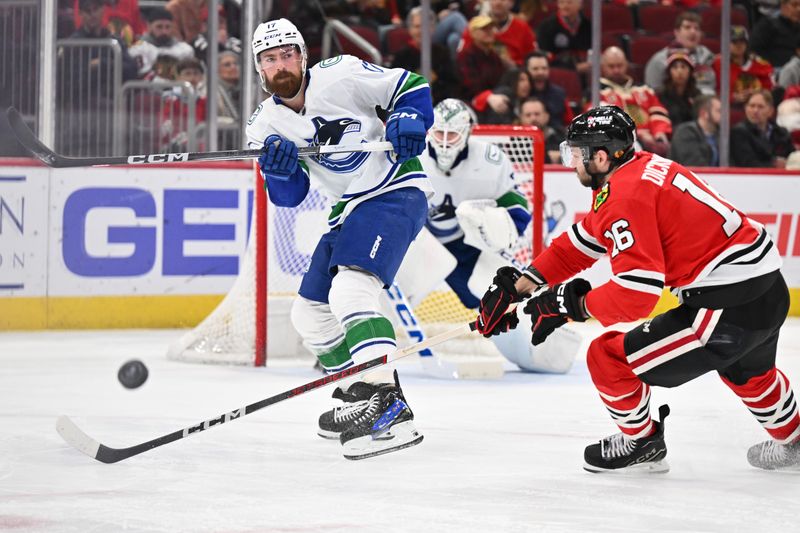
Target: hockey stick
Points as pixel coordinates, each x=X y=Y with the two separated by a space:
x=29 y=140
x=79 y=440
x=431 y=362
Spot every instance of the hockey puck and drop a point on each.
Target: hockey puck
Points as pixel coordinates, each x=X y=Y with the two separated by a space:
x=132 y=374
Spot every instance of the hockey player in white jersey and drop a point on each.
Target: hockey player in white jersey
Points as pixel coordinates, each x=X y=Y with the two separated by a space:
x=478 y=214
x=378 y=205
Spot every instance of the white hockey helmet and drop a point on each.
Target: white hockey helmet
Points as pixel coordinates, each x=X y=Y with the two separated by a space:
x=452 y=124
x=274 y=33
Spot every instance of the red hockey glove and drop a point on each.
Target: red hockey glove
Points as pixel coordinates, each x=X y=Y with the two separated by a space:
x=553 y=308
x=493 y=318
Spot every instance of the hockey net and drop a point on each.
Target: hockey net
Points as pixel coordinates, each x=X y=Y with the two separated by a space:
x=252 y=325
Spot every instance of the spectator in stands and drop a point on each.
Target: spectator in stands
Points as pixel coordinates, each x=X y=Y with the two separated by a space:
x=653 y=126
x=514 y=87
x=92 y=27
x=789 y=114
x=765 y=8
x=159 y=41
x=567 y=36
x=696 y=143
x=790 y=72
x=775 y=39
x=164 y=69
x=680 y=88
x=229 y=93
x=535 y=10
x=478 y=64
x=512 y=33
x=451 y=25
x=553 y=96
x=749 y=72
x=444 y=80
x=756 y=141
x=687 y=36
x=225 y=42
x=87 y=85
x=533 y=112
x=188 y=17
x=122 y=18
x=177 y=106
x=373 y=13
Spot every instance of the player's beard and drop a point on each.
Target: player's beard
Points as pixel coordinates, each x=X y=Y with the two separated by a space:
x=286 y=84
x=584 y=177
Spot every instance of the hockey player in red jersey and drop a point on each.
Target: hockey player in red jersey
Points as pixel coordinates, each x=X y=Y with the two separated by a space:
x=661 y=226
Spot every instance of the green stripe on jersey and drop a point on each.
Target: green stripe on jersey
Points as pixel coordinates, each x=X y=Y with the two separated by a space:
x=512 y=198
x=412 y=165
x=413 y=81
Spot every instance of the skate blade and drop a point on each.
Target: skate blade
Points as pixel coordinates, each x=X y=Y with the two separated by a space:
x=655 y=467
x=399 y=437
x=330 y=435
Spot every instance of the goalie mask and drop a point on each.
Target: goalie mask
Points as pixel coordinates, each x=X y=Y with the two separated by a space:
x=452 y=124
x=273 y=34
x=607 y=128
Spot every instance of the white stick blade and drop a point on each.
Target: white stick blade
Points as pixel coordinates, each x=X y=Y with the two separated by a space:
x=75 y=437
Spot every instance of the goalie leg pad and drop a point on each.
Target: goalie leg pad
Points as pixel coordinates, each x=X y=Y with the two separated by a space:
x=354 y=302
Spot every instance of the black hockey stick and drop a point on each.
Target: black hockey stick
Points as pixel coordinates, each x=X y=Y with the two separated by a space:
x=50 y=158
x=79 y=440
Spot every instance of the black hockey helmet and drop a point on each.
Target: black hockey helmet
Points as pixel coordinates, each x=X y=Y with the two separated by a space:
x=607 y=128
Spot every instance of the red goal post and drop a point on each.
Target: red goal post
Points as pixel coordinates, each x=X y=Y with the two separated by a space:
x=252 y=323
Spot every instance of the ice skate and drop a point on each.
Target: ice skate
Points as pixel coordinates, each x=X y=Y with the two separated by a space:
x=769 y=455
x=618 y=453
x=356 y=400
x=386 y=425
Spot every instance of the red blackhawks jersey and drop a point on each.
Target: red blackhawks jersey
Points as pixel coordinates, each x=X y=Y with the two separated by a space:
x=661 y=226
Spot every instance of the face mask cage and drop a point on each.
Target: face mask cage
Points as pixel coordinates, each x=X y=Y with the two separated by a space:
x=448 y=142
x=572 y=155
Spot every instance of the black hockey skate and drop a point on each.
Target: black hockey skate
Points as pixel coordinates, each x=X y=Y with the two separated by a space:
x=355 y=398
x=618 y=453
x=387 y=425
x=770 y=455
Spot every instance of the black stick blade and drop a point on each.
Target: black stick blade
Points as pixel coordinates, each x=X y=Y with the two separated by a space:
x=28 y=139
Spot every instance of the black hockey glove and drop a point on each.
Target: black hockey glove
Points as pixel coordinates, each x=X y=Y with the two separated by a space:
x=554 y=307
x=493 y=318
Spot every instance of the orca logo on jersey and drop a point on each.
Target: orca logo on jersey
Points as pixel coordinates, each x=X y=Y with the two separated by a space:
x=444 y=211
x=330 y=132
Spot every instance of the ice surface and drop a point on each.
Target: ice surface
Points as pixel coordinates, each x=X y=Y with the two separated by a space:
x=497 y=456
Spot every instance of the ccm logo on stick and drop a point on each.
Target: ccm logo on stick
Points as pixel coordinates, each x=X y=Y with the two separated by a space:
x=158 y=158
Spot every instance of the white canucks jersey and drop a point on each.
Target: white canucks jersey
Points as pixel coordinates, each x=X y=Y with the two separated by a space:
x=485 y=173
x=340 y=101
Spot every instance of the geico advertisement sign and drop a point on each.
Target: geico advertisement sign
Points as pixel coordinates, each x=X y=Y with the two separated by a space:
x=147 y=232
x=771 y=199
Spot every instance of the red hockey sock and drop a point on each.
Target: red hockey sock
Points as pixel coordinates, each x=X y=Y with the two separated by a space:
x=625 y=396
x=770 y=399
